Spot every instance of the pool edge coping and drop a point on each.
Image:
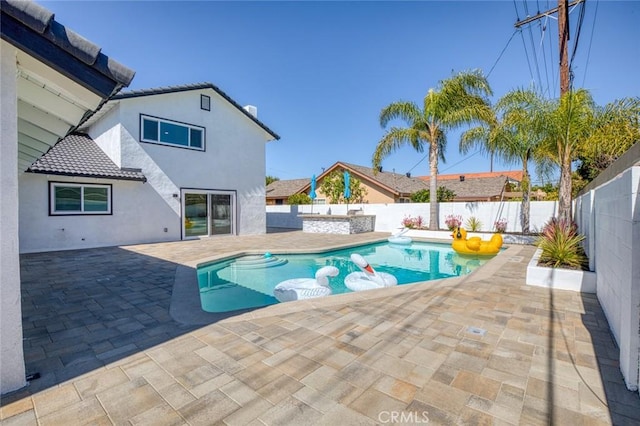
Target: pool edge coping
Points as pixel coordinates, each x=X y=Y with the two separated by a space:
x=186 y=309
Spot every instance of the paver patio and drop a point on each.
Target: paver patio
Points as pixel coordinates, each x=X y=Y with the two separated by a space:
x=479 y=349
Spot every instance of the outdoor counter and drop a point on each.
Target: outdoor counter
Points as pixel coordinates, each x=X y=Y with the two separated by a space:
x=338 y=224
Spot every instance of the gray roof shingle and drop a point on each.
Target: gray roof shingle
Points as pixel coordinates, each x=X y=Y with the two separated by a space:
x=286 y=188
x=42 y=22
x=194 y=86
x=78 y=155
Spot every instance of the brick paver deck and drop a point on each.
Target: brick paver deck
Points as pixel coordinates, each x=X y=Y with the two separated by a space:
x=480 y=349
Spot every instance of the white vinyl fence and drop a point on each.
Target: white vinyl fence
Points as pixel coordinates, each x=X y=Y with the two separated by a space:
x=389 y=217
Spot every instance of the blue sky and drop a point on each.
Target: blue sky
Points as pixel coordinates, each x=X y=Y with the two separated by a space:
x=320 y=72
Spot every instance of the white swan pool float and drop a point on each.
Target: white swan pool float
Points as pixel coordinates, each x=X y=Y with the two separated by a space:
x=367 y=278
x=306 y=288
x=399 y=238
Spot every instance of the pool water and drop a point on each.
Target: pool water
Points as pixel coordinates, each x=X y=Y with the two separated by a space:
x=248 y=281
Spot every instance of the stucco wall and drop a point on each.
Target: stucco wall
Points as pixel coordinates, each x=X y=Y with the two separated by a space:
x=139 y=215
x=12 y=371
x=613 y=243
x=234 y=158
x=389 y=216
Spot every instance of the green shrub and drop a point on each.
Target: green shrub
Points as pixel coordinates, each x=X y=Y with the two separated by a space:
x=561 y=245
x=473 y=224
x=299 y=199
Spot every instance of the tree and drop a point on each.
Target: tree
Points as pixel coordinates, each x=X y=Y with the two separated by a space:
x=513 y=136
x=332 y=186
x=424 y=195
x=617 y=128
x=565 y=126
x=299 y=199
x=270 y=179
x=459 y=100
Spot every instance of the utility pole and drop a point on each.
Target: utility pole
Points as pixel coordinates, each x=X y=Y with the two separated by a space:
x=563 y=37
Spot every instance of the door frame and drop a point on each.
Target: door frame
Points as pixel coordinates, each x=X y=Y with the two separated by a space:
x=234 y=211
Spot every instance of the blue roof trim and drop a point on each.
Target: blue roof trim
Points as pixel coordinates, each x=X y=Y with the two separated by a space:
x=195 y=86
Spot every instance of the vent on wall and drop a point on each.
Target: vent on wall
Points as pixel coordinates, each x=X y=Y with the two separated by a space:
x=251 y=110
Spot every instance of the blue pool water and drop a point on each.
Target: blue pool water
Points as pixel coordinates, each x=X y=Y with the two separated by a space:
x=248 y=281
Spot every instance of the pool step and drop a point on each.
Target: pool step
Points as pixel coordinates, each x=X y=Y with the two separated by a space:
x=257 y=262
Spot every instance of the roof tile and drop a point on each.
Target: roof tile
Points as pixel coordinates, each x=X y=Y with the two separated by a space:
x=78 y=155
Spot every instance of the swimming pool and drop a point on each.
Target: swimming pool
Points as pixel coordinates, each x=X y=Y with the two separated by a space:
x=248 y=281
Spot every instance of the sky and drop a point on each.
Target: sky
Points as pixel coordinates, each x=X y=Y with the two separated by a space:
x=319 y=73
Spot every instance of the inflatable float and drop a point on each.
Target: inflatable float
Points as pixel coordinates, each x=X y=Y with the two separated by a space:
x=306 y=288
x=475 y=245
x=367 y=278
x=399 y=238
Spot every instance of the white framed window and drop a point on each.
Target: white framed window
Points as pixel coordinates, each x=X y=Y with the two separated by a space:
x=79 y=198
x=166 y=132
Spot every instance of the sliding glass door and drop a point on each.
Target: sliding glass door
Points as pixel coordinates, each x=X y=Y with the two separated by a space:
x=208 y=213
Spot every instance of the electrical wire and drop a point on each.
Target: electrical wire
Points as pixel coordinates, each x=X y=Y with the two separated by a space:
x=533 y=46
x=593 y=28
x=501 y=53
x=461 y=161
x=576 y=39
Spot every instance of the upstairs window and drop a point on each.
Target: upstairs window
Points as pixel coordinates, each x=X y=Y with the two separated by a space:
x=167 y=132
x=73 y=198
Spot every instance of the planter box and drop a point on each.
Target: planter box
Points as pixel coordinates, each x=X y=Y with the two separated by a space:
x=557 y=278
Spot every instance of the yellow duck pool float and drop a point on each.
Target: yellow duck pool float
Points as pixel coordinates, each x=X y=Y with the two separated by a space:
x=475 y=245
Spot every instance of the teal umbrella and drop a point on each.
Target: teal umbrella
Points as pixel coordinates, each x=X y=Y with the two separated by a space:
x=312 y=192
x=347 y=189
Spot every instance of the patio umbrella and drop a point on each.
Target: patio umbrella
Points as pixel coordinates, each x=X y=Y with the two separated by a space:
x=312 y=192
x=347 y=190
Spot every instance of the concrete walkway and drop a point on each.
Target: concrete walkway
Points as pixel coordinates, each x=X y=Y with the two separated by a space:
x=479 y=349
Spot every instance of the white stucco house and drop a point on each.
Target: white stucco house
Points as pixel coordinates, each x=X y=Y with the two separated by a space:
x=152 y=165
x=52 y=79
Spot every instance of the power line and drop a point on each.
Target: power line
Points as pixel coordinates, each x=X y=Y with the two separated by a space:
x=533 y=46
x=593 y=28
x=461 y=161
x=501 y=53
x=577 y=38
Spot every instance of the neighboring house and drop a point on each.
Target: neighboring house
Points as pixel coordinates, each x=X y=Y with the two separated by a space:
x=51 y=80
x=381 y=187
x=152 y=165
x=486 y=186
x=279 y=191
x=387 y=187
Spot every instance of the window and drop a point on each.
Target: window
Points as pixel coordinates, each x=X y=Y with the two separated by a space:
x=166 y=132
x=73 y=198
x=205 y=102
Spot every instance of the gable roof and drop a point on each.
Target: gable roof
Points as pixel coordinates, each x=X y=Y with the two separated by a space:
x=396 y=183
x=286 y=188
x=78 y=155
x=195 y=86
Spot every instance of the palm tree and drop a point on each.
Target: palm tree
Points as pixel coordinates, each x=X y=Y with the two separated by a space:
x=461 y=99
x=512 y=135
x=566 y=124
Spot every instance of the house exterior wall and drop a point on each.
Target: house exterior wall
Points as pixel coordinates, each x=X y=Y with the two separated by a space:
x=12 y=370
x=139 y=215
x=609 y=216
x=233 y=160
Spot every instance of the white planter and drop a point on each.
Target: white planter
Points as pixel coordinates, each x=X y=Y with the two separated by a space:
x=557 y=278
